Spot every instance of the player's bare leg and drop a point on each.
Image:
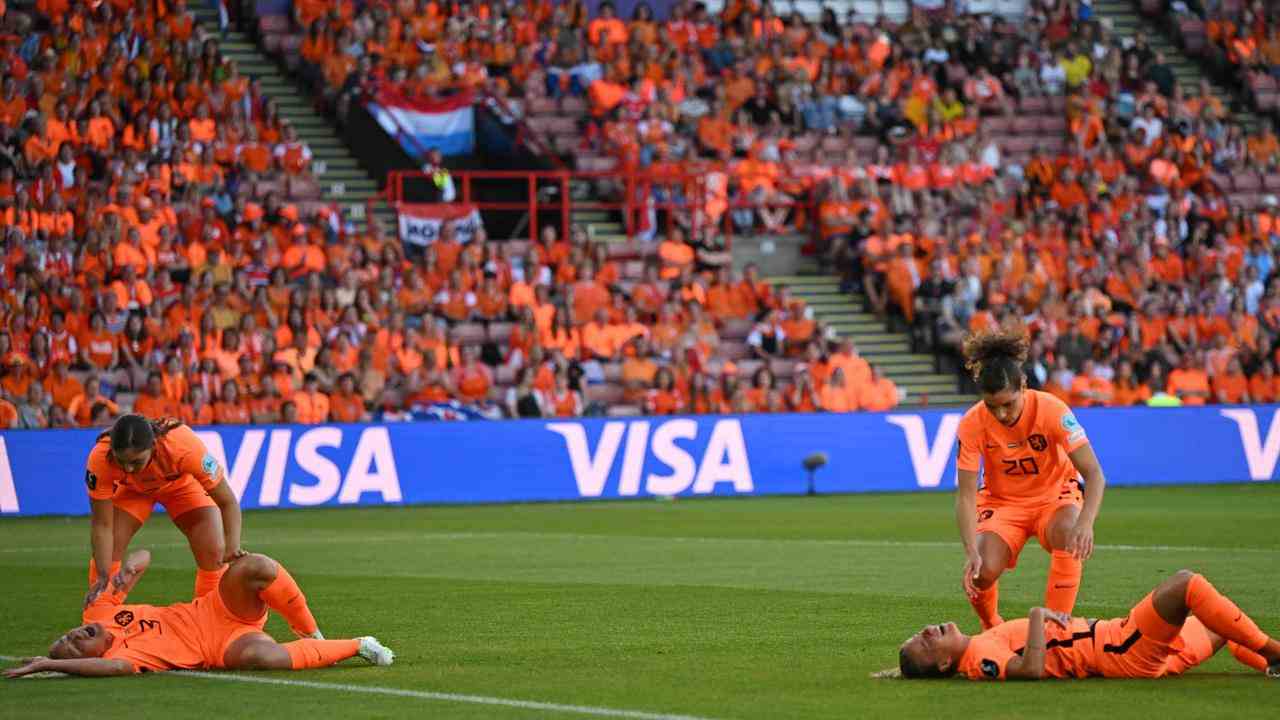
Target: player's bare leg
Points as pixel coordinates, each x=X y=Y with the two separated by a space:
x=256 y=582
x=203 y=528
x=123 y=527
x=1064 y=569
x=1186 y=593
x=996 y=555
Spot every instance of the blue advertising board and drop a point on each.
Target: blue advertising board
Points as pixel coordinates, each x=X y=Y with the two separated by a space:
x=42 y=472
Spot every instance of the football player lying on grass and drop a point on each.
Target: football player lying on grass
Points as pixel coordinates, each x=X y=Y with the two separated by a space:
x=1177 y=626
x=221 y=629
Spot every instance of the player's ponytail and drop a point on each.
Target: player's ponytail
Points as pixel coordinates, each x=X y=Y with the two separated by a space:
x=994 y=357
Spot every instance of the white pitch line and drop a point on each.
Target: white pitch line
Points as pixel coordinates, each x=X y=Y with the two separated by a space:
x=428 y=695
x=438 y=537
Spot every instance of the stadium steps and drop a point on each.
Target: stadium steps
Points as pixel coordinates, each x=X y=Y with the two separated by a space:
x=890 y=351
x=1127 y=21
x=341 y=178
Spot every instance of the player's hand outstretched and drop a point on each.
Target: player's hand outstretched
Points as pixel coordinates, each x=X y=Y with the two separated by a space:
x=1080 y=541
x=30 y=666
x=972 y=569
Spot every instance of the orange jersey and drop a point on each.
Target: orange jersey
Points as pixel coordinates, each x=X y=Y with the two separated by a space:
x=183 y=636
x=1068 y=651
x=1026 y=463
x=178 y=453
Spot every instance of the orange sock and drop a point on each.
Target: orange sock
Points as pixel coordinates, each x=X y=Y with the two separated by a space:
x=1064 y=581
x=93 y=570
x=1220 y=615
x=306 y=654
x=285 y=597
x=987 y=606
x=207 y=580
x=1247 y=656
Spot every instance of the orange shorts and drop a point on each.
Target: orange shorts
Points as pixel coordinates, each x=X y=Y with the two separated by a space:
x=1142 y=644
x=1014 y=523
x=217 y=627
x=178 y=498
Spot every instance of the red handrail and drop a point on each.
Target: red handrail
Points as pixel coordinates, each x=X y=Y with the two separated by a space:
x=636 y=198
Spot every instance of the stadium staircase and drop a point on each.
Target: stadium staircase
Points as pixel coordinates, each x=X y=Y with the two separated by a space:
x=1127 y=20
x=915 y=373
x=339 y=178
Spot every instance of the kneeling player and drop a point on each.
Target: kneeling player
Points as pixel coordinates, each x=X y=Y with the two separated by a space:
x=219 y=630
x=1158 y=638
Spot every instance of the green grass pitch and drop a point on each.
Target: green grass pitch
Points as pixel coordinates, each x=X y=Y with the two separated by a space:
x=736 y=608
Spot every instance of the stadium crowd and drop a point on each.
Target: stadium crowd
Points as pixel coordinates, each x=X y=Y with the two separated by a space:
x=163 y=238
x=162 y=248
x=1117 y=240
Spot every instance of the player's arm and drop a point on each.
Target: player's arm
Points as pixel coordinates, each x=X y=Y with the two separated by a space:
x=85 y=667
x=967 y=523
x=229 y=507
x=1030 y=665
x=101 y=539
x=1080 y=541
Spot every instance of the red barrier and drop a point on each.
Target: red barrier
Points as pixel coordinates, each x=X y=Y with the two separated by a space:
x=639 y=202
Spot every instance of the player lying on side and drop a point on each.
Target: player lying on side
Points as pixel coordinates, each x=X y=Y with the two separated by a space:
x=219 y=630
x=1177 y=626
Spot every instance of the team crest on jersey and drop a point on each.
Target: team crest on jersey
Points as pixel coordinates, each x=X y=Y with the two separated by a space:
x=990 y=669
x=209 y=465
x=91 y=480
x=1038 y=442
x=985 y=515
x=124 y=617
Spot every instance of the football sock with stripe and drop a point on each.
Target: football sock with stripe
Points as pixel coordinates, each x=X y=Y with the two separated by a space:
x=285 y=597
x=1223 y=617
x=1064 y=581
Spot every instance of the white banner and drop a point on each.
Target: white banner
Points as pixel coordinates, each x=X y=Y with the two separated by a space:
x=420 y=224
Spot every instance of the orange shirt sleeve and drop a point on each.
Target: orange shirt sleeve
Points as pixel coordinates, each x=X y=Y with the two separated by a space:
x=99 y=477
x=987 y=658
x=192 y=458
x=1061 y=426
x=969 y=443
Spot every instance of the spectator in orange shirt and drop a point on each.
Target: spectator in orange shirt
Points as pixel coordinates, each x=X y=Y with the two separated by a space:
x=151 y=402
x=62 y=386
x=837 y=396
x=196 y=411
x=879 y=394
x=1189 y=382
x=1264 y=386
x=312 y=405
x=81 y=407
x=230 y=409
x=346 y=405
x=664 y=398
x=1232 y=387
x=1127 y=390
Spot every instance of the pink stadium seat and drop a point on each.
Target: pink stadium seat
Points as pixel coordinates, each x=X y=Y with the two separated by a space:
x=1033 y=105
x=304 y=188
x=273 y=24
x=736 y=329
x=1245 y=182
x=467 y=334
x=997 y=125
x=1026 y=125
x=570 y=105
x=609 y=394
x=1052 y=124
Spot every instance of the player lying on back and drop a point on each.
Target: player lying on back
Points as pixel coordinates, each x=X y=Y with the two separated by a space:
x=1159 y=637
x=219 y=630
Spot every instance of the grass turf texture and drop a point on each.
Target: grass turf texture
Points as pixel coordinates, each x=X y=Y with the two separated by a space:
x=745 y=608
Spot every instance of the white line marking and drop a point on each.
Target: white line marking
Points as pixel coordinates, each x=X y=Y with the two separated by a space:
x=428 y=695
x=442 y=537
